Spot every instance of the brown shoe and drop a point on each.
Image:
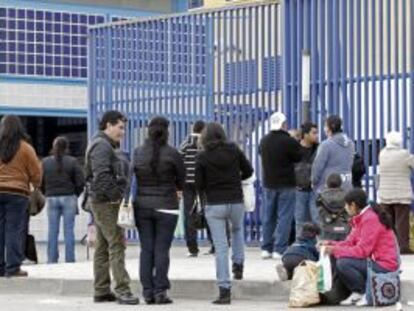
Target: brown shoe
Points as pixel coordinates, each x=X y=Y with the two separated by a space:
x=19 y=273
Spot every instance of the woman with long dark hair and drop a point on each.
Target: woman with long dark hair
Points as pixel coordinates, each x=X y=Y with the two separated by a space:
x=220 y=169
x=160 y=174
x=371 y=237
x=19 y=168
x=63 y=181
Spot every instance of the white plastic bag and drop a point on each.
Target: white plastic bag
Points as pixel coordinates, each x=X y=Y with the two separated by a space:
x=249 y=194
x=325 y=272
x=126 y=219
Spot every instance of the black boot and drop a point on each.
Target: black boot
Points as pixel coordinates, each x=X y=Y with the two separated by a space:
x=162 y=299
x=224 y=297
x=237 y=271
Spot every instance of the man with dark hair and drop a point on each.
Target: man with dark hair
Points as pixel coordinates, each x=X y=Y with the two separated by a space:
x=305 y=210
x=335 y=155
x=279 y=153
x=189 y=150
x=107 y=186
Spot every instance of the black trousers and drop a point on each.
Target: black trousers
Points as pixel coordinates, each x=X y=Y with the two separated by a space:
x=189 y=196
x=156 y=232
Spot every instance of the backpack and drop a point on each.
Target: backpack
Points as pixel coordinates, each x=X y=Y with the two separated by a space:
x=332 y=214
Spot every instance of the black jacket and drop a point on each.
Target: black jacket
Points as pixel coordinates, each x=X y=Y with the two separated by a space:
x=219 y=173
x=158 y=191
x=67 y=181
x=279 y=153
x=102 y=170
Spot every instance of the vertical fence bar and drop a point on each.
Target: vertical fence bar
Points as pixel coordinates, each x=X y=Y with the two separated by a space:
x=352 y=67
x=381 y=73
x=343 y=71
x=396 y=67
x=297 y=89
x=373 y=104
x=359 y=75
x=411 y=19
x=315 y=58
x=389 y=43
x=366 y=121
x=404 y=72
x=336 y=48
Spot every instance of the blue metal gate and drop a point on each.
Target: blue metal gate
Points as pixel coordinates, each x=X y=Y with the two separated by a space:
x=362 y=67
x=221 y=65
x=226 y=65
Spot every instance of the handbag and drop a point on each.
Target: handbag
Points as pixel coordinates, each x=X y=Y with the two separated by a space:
x=198 y=218
x=30 y=251
x=126 y=218
x=37 y=202
x=249 y=195
x=383 y=289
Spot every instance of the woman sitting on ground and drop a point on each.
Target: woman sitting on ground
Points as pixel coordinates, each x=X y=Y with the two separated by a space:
x=371 y=237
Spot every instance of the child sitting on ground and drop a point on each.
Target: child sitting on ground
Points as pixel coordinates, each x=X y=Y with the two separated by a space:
x=304 y=248
x=332 y=214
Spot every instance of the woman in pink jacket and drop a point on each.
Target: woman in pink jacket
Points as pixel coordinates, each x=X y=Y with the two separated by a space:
x=371 y=237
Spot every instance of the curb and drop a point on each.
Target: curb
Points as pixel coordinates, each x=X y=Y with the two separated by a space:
x=184 y=289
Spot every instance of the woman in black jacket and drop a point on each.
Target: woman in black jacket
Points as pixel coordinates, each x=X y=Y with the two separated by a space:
x=63 y=181
x=160 y=173
x=220 y=168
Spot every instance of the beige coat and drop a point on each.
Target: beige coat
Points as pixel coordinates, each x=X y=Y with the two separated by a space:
x=395 y=166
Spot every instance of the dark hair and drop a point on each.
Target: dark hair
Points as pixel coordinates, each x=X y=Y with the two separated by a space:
x=198 y=126
x=306 y=127
x=212 y=136
x=12 y=133
x=158 y=135
x=60 y=148
x=112 y=117
x=334 y=123
x=360 y=199
x=334 y=180
x=310 y=230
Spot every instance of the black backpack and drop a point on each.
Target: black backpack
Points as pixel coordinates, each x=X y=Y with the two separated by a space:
x=333 y=217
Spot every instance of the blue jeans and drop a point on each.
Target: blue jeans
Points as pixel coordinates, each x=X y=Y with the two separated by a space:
x=277 y=218
x=59 y=206
x=217 y=216
x=305 y=209
x=13 y=209
x=353 y=273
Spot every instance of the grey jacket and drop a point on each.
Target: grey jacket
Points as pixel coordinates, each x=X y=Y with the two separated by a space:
x=335 y=155
x=102 y=170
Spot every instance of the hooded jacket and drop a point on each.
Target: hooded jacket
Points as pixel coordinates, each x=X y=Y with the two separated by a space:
x=335 y=155
x=219 y=173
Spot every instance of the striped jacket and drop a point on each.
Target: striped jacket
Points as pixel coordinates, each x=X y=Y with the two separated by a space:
x=189 y=150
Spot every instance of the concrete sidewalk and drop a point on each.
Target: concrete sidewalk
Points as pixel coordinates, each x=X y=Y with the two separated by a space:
x=192 y=278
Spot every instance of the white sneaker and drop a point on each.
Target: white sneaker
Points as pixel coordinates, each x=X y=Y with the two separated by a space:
x=352 y=300
x=266 y=255
x=362 y=302
x=276 y=255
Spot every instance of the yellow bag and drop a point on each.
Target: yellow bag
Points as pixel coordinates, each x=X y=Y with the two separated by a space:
x=304 y=289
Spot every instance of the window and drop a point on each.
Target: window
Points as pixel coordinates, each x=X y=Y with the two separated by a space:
x=36 y=42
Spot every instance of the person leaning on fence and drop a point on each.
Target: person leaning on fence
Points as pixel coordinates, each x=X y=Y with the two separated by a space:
x=371 y=238
x=19 y=168
x=304 y=248
x=63 y=181
x=106 y=191
x=220 y=169
x=160 y=174
x=395 y=190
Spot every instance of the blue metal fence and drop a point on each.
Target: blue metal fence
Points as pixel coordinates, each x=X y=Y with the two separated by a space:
x=362 y=67
x=221 y=65
x=226 y=65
